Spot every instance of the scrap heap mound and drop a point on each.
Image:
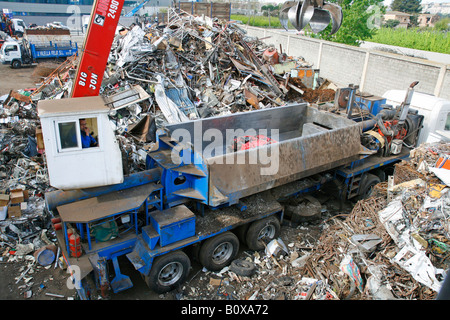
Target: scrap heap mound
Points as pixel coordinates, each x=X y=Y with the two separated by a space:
x=188 y=69
x=207 y=67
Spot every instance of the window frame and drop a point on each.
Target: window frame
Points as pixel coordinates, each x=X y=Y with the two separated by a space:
x=58 y=136
x=79 y=146
x=11 y=48
x=447 y=122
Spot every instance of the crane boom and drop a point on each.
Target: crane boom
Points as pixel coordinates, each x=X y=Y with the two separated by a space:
x=97 y=45
x=132 y=12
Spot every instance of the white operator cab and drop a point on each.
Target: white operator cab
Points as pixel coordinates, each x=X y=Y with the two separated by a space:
x=70 y=165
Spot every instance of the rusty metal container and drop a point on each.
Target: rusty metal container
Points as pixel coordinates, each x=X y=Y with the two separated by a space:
x=305 y=141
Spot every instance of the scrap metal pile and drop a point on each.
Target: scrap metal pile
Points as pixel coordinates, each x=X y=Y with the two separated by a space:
x=199 y=67
x=394 y=245
x=192 y=67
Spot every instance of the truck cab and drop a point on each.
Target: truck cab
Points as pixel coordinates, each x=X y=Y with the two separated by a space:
x=19 y=27
x=15 y=54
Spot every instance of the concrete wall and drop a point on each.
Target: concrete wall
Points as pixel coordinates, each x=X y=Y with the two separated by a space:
x=374 y=71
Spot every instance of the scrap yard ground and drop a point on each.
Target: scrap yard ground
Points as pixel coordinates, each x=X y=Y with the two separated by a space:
x=12 y=79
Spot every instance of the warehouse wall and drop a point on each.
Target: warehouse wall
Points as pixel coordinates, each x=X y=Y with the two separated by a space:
x=374 y=71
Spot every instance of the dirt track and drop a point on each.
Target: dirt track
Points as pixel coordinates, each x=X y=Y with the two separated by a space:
x=23 y=78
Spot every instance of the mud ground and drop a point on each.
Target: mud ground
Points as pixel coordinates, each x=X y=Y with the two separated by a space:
x=24 y=78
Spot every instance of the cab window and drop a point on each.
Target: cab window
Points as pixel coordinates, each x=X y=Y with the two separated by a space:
x=447 y=123
x=10 y=48
x=77 y=134
x=68 y=139
x=89 y=132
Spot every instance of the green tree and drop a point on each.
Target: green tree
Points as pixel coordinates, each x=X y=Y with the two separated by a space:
x=408 y=6
x=442 y=25
x=360 y=22
x=391 y=23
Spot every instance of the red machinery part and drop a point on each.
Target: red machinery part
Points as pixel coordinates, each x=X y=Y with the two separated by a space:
x=250 y=142
x=97 y=46
x=400 y=133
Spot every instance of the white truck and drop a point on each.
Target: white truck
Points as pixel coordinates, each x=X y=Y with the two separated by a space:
x=24 y=53
x=18 y=25
x=436 y=112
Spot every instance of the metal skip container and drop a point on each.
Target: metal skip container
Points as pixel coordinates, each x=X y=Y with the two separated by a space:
x=303 y=141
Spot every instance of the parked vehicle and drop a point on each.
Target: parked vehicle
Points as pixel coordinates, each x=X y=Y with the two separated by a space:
x=23 y=53
x=12 y=26
x=436 y=113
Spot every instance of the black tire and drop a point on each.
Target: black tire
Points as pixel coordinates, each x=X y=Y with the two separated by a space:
x=168 y=271
x=381 y=174
x=367 y=186
x=219 y=251
x=16 y=64
x=242 y=268
x=262 y=231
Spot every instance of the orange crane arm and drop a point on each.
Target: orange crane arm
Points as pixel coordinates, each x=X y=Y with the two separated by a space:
x=97 y=46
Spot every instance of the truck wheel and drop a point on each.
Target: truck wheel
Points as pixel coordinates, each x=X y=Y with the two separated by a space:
x=219 y=251
x=367 y=187
x=262 y=231
x=168 y=271
x=16 y=64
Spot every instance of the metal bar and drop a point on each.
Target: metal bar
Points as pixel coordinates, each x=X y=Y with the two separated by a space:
x=261 y=68
x=88 y=236
x=66 y=237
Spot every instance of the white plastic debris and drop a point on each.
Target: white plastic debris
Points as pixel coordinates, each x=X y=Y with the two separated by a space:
x=275 y=247
x=419 y=266
x=410 y=257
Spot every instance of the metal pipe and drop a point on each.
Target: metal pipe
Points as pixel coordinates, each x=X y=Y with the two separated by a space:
x=60 y=197
x=367 y=125
x=405 y=105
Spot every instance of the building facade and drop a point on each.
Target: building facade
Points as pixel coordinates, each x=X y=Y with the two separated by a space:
x=402 y=17
x=42 y=12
